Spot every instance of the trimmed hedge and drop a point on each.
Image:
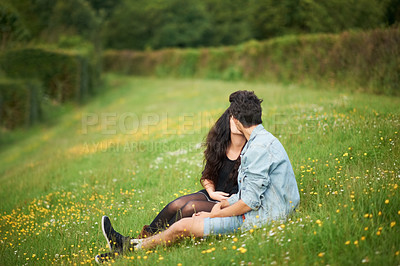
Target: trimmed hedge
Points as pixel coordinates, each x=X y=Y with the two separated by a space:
x=20 y=102
x=367 y=61
x=65 y=75
x=33 y=73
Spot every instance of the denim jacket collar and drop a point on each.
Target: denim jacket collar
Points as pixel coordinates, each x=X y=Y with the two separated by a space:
x=253 y=134
x=255 y=131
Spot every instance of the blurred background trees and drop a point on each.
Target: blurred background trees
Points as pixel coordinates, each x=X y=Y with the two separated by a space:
x=155 y=24
x=51 y=51
x=12 y=27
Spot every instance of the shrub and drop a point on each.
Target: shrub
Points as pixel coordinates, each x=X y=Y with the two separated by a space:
x=367 y=61
x=12 y=28
x=20 y=102
x=65 y=75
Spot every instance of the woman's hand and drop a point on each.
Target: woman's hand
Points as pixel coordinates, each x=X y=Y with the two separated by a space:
x=218 y=195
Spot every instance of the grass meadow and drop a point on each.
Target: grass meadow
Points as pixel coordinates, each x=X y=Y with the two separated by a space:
x=137 y=146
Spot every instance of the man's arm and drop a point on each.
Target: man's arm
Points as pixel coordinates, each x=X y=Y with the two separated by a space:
x=223 y=209
x=238 y=208
x=256 y=176
x=232 y=199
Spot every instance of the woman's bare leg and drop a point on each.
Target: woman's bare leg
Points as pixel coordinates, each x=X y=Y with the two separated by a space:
x=193 y=226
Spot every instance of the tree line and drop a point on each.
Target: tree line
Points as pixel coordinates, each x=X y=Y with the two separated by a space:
x=155 y=24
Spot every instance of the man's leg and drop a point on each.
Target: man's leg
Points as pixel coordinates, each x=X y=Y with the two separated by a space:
x=193 y=226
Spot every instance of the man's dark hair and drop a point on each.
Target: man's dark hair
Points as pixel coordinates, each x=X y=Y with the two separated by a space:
x=246 y=107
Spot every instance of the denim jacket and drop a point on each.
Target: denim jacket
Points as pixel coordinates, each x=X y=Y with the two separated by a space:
x=266 y=180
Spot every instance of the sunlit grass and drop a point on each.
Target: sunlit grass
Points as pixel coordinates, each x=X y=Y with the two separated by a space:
x=145 y=150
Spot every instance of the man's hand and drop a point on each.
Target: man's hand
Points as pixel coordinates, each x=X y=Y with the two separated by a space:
x=202 y=214
x=224 y=204
x=217 y=208
x=218 y=195
x=213 y=213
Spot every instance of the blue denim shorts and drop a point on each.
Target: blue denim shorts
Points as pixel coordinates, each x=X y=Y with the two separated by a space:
x=222 y=225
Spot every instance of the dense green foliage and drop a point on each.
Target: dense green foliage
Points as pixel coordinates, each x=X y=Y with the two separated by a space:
x=57 y=75
x=65 y=75
x=49 y=20
x=143 y=24
x=368 y=61
x=20 y=102
x=344 y=147
x=12 y=28
x=155 y=24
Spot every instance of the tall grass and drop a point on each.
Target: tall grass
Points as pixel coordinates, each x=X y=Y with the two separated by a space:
x=57 y=181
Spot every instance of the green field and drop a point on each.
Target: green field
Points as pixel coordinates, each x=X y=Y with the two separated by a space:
x=138 y=146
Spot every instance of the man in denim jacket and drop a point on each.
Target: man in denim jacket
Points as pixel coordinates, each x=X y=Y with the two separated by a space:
x=267 y=184
x=267 y=188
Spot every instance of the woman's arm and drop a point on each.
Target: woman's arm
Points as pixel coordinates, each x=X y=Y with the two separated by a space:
x=208 y=185
x=210 y=188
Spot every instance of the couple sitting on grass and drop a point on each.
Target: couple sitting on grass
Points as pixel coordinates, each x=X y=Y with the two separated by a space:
x=248 y=181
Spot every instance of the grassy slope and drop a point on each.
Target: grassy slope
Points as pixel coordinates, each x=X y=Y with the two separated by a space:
x=59 y=180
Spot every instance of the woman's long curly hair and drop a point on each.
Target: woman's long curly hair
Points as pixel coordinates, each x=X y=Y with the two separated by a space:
x=217 y=142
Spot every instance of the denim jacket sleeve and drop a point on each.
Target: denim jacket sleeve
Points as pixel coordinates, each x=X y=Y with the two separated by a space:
x=233 y=199
x=256 y=178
